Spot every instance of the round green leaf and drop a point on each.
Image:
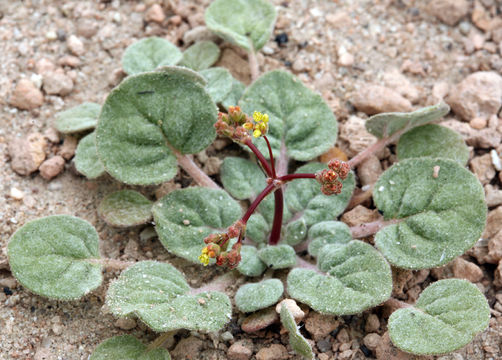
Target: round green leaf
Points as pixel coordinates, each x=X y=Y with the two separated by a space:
x=242 y=178
x=234 y=95
x=49 y=256
x=298 y=343
x=125 y=208
x=433 y=141
x=246 y=23
x=358 y=278
x=219 y=83
x=327 y=232
x=127 y=347
x=386 y=124
x=278 y=256
x=447 y=316
x=299 y=118
x=257 y=228
x=183 y=218
x=149 y=114
x=200 y=56
x=260 y=295
x=86 y=158
x=250 y=264
x=440 y=217
x=149 y=54
x=158 y=294
x=79 y=118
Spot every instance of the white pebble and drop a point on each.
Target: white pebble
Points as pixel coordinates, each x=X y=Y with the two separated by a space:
x=16 y=194
x=496 y=160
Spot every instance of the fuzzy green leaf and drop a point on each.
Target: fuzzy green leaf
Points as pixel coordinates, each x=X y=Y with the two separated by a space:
x=250 y=264
x=86 y=157
x=433 y=141
x=298 y=343
x=386 y=124
x=50 y=256
x=158 y=294
x=278 y=256
x=200 y=56
x=440 y=217
x=79 y=118
x=183 y=218
x=234 y=95
x=242 y=178
x=309 y=205
x=246 y=23
x=125 y=208
x=149 y=54
x=260 y=295
x=327 y=232
x=146 y=116
x=219 y=83
x=447 y=316
x=127 y=347
x=358 y=278
x=299 y=118
x=257 y=228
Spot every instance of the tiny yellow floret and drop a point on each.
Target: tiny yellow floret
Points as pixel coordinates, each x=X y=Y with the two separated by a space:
x=257 y=133
x=248 y=126
x=204 y=257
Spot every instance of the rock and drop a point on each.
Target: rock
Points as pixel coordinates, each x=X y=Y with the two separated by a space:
x=44 y=65
x=239 y=351
x=293 y=307
x=374 y=99
x=326 y=82
x=478 y=123
x=212 y=165
x=497 y=279
x=478 y=95
x=57 y=83
x=235 y=64
x=52 y=167
x=371 y=341
x=439 y=91
x=413 y=67
x=372 y=323
x=354 y=133
x=26 y=96
x=69 y=147
x=155 y=13
x=343 y=336
x=369 y=170
x=385 y=350
x=226 y=336
x=199 y=33
x=347 y=354
x=493 y=195
x=483 y=168
x=395 y=80
x=52 y=135
x=495 y=249
x=359 y=215
x=333 y=153
x=125 y=323
x=16 y=194
x=188 y=349
x=463 y=269
x=493 y=223
x=259 y=320
x=273 y=352
x=44 y=354
x=87 y=28
x=338 y=20
x=69 y=60
x=346 y=59
x=449 y=11
x=75 y=45
x=484 y=139
x=319 y=326
x=27 y=153
x=57 y=329
x=299 y=65
x=9 y=282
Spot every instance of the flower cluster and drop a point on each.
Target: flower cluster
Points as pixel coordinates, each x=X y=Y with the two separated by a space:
x=217 y=245
x=236 y=125
x=330 y=178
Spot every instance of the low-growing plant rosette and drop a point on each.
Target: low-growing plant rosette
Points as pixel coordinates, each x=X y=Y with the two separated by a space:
x=432 y=208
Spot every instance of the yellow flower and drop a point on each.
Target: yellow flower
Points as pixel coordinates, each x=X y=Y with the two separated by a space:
x=248 y=126
x=204 y=259
x=259 y=117
x=256 y=133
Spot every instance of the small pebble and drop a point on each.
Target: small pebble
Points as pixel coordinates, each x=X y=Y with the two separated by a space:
x=52 y=167
x=155 y=14
x=75 y=45
x=26 y=95
x=16 y=194
x=125 y=323
x=478 y=123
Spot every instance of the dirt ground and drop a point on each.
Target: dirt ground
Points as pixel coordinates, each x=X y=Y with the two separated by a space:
x=335 y=47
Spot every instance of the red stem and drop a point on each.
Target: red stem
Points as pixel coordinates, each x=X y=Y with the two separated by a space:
x=261 y=158
x=367 y=229
x=268 y=189
x=290 y=177
x=271 y=157
x=275 y=234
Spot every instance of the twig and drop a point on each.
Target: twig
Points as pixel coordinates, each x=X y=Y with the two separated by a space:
x=396 y=304
x=367 y=229
x=112 y=264
x=360 y=198
x=159 y=341
x=380 y=144
x=218 y=284
x=253 y=63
